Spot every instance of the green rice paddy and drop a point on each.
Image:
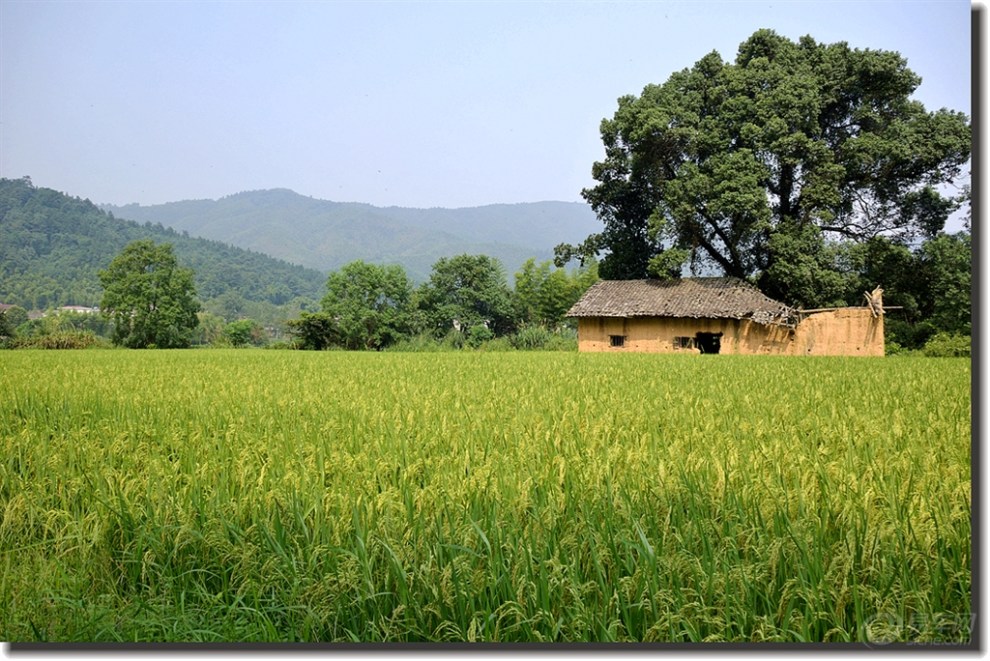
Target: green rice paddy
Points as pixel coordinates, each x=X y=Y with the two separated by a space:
x=297 y=496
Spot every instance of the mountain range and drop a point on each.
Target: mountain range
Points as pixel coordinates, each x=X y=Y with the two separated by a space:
x=261 y=254
x=325 y=235
x=52 y=247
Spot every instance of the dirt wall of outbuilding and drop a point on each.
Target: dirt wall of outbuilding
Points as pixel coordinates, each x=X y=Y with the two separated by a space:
x=842 y=332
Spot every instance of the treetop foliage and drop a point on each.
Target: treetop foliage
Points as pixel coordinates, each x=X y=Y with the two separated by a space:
x=149 y=298
x=466 y=301
x=467 y=291
x=370 y=304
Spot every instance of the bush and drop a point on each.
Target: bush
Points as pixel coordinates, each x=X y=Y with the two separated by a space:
x=497 y=344
x=243 y=331
x=313 y=331
x=417 y=343
x=531 y=338
x=561 y=343
x=907 y=335
x=943 y=345
x=891 y=348
x=539 y=338
x=453 y=340
x=895 y=349
x=61 y=340
x=478 y=335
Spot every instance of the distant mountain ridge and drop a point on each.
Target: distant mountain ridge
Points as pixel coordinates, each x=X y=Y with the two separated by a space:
x=325 y=235
x=52 y=245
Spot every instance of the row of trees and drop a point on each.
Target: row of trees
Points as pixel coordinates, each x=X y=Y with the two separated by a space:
x=69 y=329
x=466 y=299
x=150 y=301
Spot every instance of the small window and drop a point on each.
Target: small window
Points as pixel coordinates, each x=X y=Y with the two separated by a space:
x=617 y=340
x=683 y=342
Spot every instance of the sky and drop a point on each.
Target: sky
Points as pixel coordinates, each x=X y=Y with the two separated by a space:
x=417 y=104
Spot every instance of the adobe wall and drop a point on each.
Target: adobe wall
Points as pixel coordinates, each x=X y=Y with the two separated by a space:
x=843 y=332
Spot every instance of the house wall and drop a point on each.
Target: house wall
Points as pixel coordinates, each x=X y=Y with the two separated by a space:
x=843 y=332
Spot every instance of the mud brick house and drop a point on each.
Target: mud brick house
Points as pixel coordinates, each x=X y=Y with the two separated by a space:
x=718 y=315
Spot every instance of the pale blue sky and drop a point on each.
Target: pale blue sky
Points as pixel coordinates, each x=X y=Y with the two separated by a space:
x=392 y=103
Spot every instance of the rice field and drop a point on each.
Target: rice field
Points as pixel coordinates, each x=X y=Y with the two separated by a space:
x=296 y=496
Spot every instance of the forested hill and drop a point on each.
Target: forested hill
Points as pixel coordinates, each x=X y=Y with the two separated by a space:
x=52 y=245
x=327 y=235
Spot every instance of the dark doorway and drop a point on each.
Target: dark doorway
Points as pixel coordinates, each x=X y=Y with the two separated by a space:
x=709 y=342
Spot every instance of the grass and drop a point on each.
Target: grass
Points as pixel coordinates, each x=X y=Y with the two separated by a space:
x=291 y=496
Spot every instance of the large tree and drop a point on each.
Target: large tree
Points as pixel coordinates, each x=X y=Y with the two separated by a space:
x=149 y=298
x=741 y=165
x=369 y=305
x=467 y=291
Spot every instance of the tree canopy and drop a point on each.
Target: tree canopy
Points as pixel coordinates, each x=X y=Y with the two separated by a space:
x=544 y=295
x=754 y=167
x=369 y=305
x=470 y=290
x=149 y=298
x=466 y=302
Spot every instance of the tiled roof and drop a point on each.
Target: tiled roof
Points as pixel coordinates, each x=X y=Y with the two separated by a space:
x=708 y=298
